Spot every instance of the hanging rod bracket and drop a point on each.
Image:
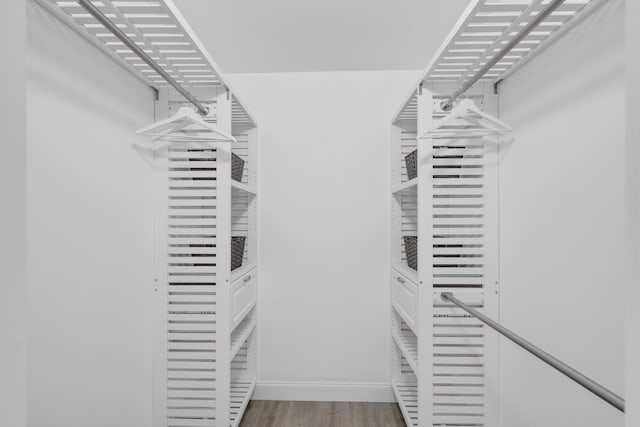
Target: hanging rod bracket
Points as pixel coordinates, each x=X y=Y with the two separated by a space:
x=447 y=105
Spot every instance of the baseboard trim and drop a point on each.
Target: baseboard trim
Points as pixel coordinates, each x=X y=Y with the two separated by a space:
x=324 y=392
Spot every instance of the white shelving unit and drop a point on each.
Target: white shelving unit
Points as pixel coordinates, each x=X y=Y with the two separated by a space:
x=198 y=382
x=444 y=366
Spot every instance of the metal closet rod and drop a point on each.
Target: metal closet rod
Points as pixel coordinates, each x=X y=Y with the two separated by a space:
x=586 y=382
x=448 y=104
x=100 y=17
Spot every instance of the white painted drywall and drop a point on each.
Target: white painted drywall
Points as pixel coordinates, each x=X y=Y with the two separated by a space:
x=257 y=36
x=13 y=178
x=324 y=246
x=90 y=241
x=563 y=225
x=632 y=367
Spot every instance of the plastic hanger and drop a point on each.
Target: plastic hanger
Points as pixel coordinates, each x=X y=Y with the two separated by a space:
x=188 y=126
x=466 y=120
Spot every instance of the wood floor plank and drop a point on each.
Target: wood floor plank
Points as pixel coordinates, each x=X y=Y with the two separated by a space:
x=269 y=413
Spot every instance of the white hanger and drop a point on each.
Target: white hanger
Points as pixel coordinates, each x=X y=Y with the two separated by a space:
x=480 y=123
x=174 y=127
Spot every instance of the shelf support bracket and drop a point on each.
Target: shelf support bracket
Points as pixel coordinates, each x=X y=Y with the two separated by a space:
x=495 y=86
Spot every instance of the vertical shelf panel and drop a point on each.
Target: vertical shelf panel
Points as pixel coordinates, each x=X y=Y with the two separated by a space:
x=192 y=279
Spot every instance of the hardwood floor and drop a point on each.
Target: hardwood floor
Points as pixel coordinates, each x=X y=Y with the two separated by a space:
x=268 y=413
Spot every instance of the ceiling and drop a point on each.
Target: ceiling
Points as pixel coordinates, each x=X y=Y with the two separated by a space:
x=260 y=36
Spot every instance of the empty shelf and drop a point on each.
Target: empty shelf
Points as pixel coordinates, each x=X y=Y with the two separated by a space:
x=238 y=186
x=241 y=333
x=241 y=392
x=409 y=273
x=408 y=345
x=407 y=185
x=407 y=397
x=241 y=271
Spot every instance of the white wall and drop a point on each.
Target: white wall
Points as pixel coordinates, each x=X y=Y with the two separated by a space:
x=90 y=223
x=632 y=14
x=324 y=202
x=13 y=290
x=292 y=36
x=563 y=227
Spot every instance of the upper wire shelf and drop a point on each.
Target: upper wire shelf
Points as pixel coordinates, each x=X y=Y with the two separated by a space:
x=484 y=28
x=157 y=27
x=490 y=25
